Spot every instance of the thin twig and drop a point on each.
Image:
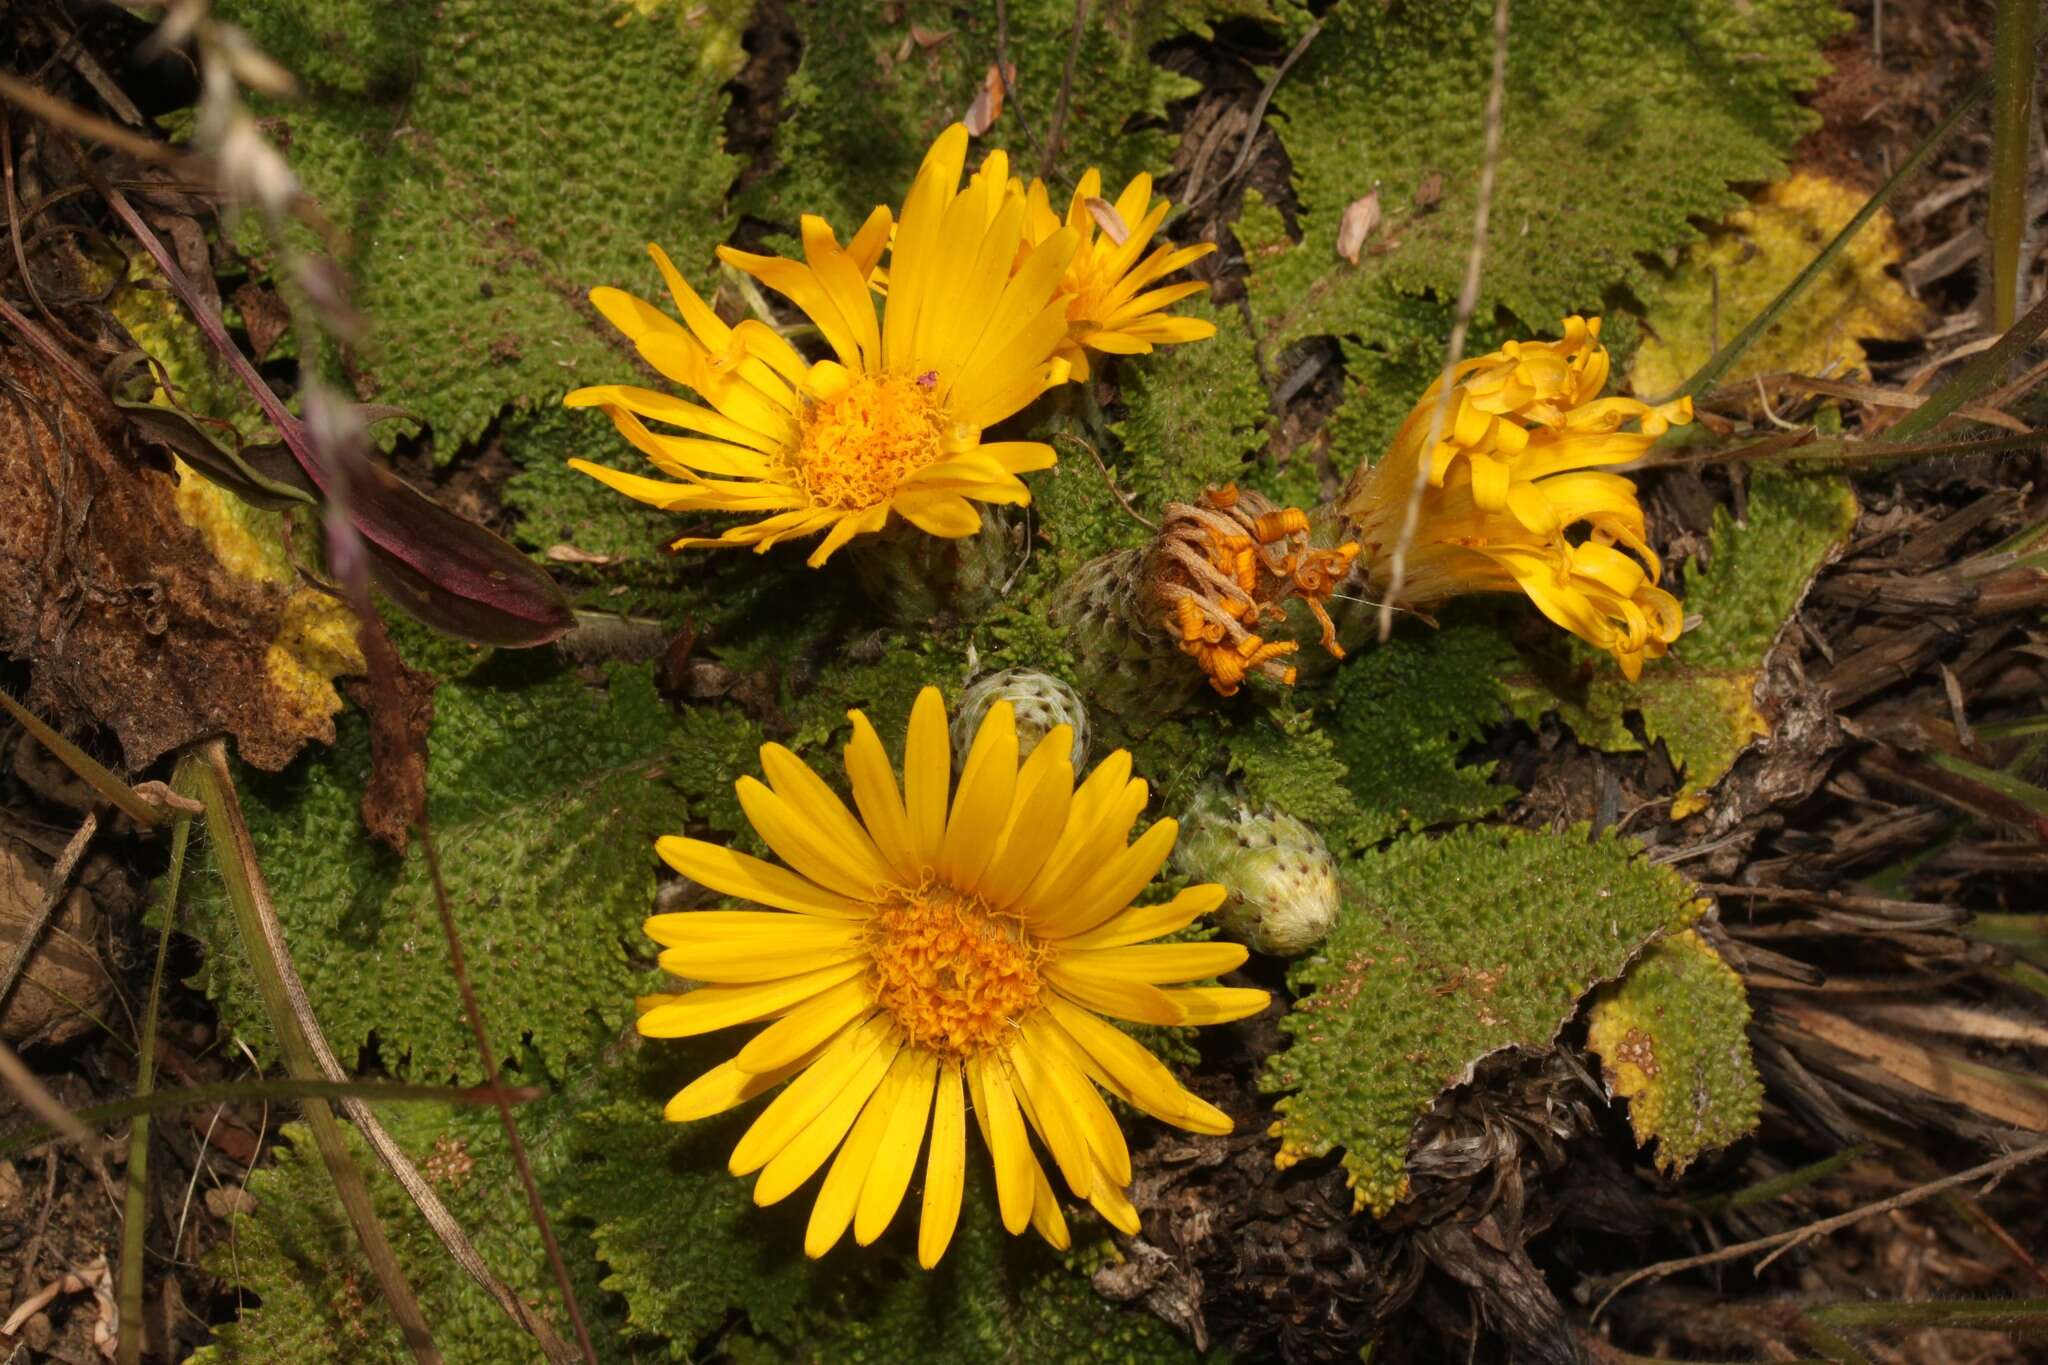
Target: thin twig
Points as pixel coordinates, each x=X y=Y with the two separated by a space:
x=1009 y=87
x=37 y=1099
x=1151 y=526
x=1778 y=1243
x=53 y=894
x=1059 y=109
x=475 y=1013
x=1258 y=118
x=381 y=1142
x=53 y=110
x=135 y=1209
x=1468 y=303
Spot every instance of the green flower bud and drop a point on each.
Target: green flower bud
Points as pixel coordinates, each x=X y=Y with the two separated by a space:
x=1039 y=701
x=1279 y=873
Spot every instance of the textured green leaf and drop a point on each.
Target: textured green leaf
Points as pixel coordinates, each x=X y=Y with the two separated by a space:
x=867 y=97
x=1448 y=950
x=1622 y=124
x=1700 y=700
x=546 y=799
x=1401 y=714
x=1673 y=1039
x=489 y=164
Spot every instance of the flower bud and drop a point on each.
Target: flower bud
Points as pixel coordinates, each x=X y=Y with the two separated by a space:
x=1279 y=873
x=1039 y=702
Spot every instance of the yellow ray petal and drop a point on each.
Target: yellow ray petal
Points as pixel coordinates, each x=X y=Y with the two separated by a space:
x=794 y=1111
x=1218 y=1004
x=1045 y=1109
x=1059 y=1064
x=763 y=931
x=895 y=1158
x=988 y=779
x=1138 y=1077
x=1002 y=1131
x=724 y=1087
x=1107 y=993
x=734 y=964
x=731 y=873
x=945 y=515
x=1142 y=923
x=805 y=847
x=945 y=1170
x=880 y=804
x=1045 y=789
x=927 y=775
x=801 y=1157
x=793 y=780
x=840 y=1194
x=1160 y=963
x=807 y=1027
x=1115 y=884
x=709 y=1008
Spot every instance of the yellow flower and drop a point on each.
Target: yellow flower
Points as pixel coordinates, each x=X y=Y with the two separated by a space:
x=1515 y=500
x=893 y=424
x=1112 y=307
x=947 y=944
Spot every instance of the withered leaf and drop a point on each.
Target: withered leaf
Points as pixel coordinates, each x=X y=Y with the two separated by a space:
x=1361 y=216
x=127 y=619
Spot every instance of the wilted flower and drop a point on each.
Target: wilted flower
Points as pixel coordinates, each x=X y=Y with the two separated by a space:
x=894 y=423
x=1113 y=306
x=951 y=942
x=1514 y=498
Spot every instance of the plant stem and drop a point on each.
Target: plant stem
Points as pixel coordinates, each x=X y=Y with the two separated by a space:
x=135 y=1205
x=2012 y=69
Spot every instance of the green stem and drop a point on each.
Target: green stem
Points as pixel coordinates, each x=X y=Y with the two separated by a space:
x=1973 y=378
x=135 y=1206
x=2012 y=70
x=1719 y=363
x=235 y=856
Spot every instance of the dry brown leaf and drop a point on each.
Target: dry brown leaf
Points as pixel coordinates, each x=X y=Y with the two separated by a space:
x=1361 y=217
x=126 y=617
x=1109 y=220
x=987 y=107
x=1952 y=1078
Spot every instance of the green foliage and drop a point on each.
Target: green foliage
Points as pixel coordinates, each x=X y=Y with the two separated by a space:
x=1196 y=413
x=546 y=796
x=489 y=164
x=1402 y=712
x=1699 y=701
x=1623 y=123
x=666 y=1249
x=868 y=97
x=1672 y=1037
x=552 y=504
x=1448 y=950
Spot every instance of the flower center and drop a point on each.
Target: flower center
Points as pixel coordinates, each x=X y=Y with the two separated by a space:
x=955 y=974
x=857 y=447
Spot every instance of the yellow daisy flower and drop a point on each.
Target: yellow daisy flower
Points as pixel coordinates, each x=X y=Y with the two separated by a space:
x=1515 y=499
x=949 y=949
x=893 y=424
x=1112 y=306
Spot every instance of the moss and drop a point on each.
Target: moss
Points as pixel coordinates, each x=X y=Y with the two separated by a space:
x=546 y=796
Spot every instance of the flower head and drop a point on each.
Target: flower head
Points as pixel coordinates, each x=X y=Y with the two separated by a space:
x=1113 y=306
x=952 y=942
x=1515 y=497
x=1225 y=568
x=893 y=424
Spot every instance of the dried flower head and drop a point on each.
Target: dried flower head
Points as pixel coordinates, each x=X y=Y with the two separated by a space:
x=1224 y=570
